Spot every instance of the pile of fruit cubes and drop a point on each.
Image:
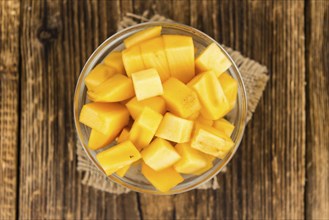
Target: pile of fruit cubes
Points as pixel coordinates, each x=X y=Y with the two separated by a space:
x=164 y=108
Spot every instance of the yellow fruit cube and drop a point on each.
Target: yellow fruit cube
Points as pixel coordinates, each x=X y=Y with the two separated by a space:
x=132 y=60
x=180 y=99
x=143 y=35
x=211 y=95
x=162 y=180
x=144 y=127
x=225 y=126
x=98 y=140
x=160 y=154
x=211 y=141
x=117 y=88
x=117 y=157
x=124 y=135
x=175 y=129
x=204 y=121
x=107 y=118
x=98 y=75
x=209 y=165
x=191 y=159
x=147 y=84
x=180 y=54
x=154 y=56
x=114 y=60
x=122 y=172
x=212 y=58
x=136 y=107
x=230 y=88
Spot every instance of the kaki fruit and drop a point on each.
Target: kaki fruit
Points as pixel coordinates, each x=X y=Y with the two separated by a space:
x=212 y=58
x=160 y=154
x=214 y=103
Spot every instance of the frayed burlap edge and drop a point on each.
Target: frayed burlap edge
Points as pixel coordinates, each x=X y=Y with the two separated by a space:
x=255 y=77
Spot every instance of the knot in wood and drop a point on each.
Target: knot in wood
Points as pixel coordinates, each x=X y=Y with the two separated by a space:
x=46 y=35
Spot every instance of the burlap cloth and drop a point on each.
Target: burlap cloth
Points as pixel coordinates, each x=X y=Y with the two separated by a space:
x=255 y=78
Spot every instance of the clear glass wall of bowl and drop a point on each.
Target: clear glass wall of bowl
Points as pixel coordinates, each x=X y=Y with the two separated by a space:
x=134 y=179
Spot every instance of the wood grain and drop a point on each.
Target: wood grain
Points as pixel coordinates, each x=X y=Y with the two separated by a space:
x=57 y=38
x=281 y=168
x=317 y=67
x=150 y=206
x=9 y=102
x=265 y=179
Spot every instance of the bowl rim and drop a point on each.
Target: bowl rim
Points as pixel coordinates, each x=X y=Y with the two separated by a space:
x=97 y=53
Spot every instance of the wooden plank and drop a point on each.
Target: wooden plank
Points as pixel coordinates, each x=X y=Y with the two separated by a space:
x=196 y=204
x=9 y=96
x=151 y=206
x=250 y=189
x=317 y=129
x=265 y=179
x=57 y=39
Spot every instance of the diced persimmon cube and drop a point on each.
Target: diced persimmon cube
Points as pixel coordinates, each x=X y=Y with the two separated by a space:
x=212 y=58
x=200 y=119
x=180 y=54
x=180 y=99
x=122 y=171
x=140 y=136
x=191 y=160
x=98 y=140
x=211 y=141
x=136 y=107
x=143 y=35
x=124 y=135
x=162 y=180
x=209 y=165
x=147 y=84
x=174 y=128
x=144 y=127
x=132 y=60
x=107 y=118
x=211 y=95
x=230 y=88
x=160 y=154
x=98 y=75
x=114 y=60
x=117 y=157
x=115 y=89
x=154 y=56
x=225 y=126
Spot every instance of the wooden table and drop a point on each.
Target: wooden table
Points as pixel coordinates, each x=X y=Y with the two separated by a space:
x=281 y=169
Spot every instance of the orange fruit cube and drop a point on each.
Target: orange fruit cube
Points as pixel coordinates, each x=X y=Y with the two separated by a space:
x=117 y=157
x=211 y=95
x=180 y=99
x=212 y=58
x=143 y=35
x=160 y=154
x=162 y=180
x=180 y=54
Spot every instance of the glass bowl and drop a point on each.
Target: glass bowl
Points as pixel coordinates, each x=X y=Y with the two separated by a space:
x=134 y=180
